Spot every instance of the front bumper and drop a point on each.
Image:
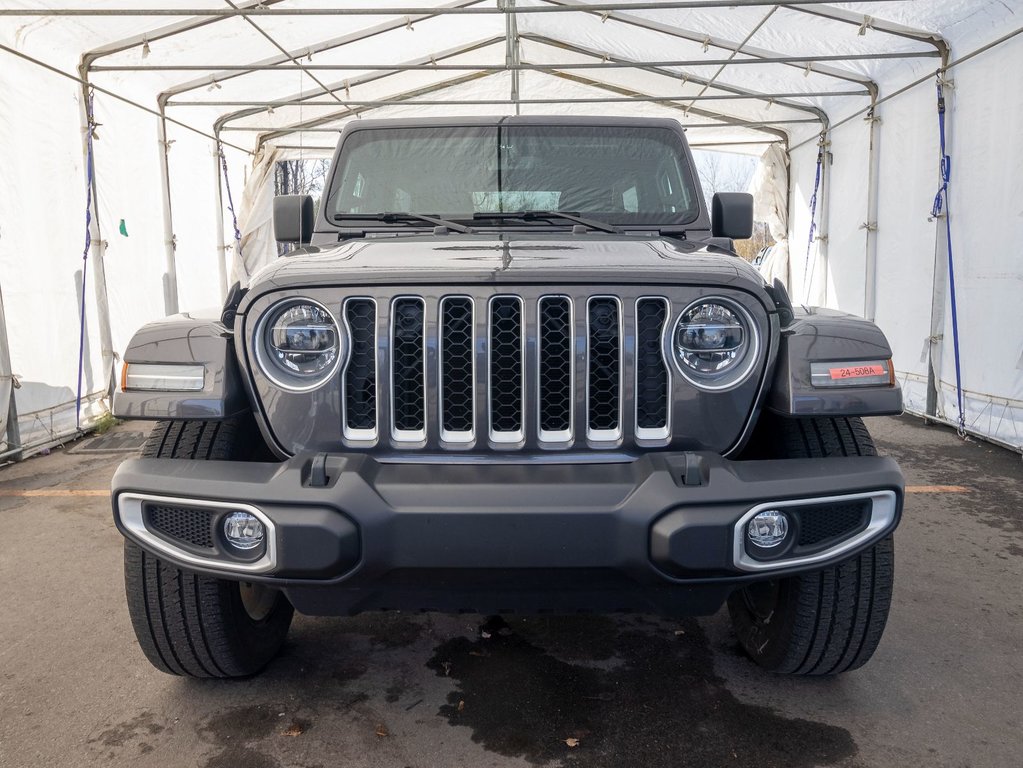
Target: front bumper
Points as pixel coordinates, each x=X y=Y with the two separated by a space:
x=663 y=532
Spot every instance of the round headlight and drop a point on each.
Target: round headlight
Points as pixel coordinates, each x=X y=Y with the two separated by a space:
x=715 y=344
x=300 y=344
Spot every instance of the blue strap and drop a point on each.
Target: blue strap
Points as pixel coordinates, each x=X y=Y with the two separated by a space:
x=230 y=199
x=940 y=203
x=813 y=211
x=90 y=127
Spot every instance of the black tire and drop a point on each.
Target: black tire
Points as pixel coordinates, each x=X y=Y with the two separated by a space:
x=194 y=625
x=829 y=621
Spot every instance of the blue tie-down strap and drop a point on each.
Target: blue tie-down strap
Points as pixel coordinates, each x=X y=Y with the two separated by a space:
x=230 y=199
x=813 y=211
x=941 y=204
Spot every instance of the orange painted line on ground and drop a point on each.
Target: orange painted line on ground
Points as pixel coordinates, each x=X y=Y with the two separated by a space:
x=55 y=492
x=937 y=489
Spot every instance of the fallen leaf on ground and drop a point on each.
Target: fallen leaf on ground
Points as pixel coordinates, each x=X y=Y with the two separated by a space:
x=295 y=729
x=382 y=731
x=679 y=632
x=447 y=667
x=461 y=706
x=572 y=742
x=486 y=635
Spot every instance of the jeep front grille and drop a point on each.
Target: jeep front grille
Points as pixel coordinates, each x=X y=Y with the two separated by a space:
x=554 y=368
x=360 y=403
x=505 y=370
x=548 y=371
x=604 y=368
x=652 y=378
x=457 y=321
x=408 y=369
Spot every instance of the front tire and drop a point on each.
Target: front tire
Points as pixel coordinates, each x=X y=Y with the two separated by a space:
x=828 y=621
x=189 y=624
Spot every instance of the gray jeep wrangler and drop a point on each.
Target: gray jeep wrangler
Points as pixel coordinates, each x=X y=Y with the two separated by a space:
x=510 y=365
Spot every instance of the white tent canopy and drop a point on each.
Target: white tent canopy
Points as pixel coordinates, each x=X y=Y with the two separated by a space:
x=144 y=124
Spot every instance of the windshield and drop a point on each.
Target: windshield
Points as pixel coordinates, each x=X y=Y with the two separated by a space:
x=618 y=174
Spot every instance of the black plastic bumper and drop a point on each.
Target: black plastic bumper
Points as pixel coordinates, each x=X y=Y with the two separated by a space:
x=657 y=533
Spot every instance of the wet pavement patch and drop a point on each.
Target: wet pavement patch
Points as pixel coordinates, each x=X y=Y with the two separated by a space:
x=132 y=732
x=232 y=729
x=655 y=701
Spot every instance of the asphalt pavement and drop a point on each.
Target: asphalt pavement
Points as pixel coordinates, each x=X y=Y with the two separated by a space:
x=944 y=690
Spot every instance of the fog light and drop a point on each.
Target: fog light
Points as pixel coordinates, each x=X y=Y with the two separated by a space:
x=768 y=528
x=243 y=530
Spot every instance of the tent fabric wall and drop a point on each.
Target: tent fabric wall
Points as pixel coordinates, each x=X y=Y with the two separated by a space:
x=179 y=250
x=913 y=305
x=42 y=235
x=770 y=189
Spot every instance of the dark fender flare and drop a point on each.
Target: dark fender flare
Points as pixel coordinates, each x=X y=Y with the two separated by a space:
x=826 y=335
x=186 y=339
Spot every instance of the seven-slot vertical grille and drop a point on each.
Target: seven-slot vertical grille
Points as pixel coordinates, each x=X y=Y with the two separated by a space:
x=651 y=372
x=554 y=368
x=604 y=368
x=505 y=372
x=456 y=368
x=451 y=374
x=360 y=376
x=408 y=369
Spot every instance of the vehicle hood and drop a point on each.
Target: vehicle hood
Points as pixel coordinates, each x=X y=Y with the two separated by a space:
x=509 y=259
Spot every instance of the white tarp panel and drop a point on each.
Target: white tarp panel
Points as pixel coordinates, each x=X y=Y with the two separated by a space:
x=770 y=189
x=228 y=76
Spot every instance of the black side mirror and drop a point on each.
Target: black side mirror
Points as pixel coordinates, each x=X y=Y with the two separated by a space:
x=732 y=215
x=293 y=218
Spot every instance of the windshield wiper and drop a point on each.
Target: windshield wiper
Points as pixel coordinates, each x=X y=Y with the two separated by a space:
x=548 y=215
x=404 y=218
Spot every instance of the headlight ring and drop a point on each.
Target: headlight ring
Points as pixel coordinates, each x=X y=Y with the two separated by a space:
x=299 y=345
x=715 y=343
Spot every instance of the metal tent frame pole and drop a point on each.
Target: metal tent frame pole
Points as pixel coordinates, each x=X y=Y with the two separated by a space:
x=99 y=275
x=236 y=70
x=390 y=10
x=870 y=225
x=221 y=242
x=940 y=279
x=511 y=60
x=337 y=129
x=170 y=289
x=390 y=102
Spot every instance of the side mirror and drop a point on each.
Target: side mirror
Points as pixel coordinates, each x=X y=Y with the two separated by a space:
x=732 y=215
x=293 y=218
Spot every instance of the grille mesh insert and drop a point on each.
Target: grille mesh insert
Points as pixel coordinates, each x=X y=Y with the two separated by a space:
x=456 y=364
x=604 y=364
x=555 y=374
x=361 y=374
x=651 y=372
x=408 y=384
x=188 y=524
x=506 y=364
x=829 y=521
